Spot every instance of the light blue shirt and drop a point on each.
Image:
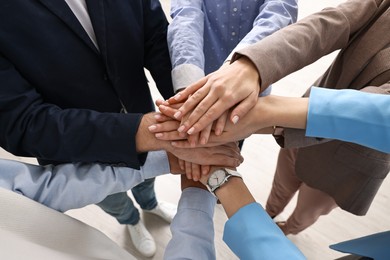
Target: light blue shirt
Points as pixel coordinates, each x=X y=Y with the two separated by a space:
x=203 y=34
x=192 y=227
x=250 y=232
x=350 y=115
x=70 y=186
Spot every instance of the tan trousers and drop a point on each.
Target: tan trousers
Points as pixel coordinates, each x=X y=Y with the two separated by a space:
x=311 y=203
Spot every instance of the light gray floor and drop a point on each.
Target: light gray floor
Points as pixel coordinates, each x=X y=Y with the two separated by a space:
x=260 y=154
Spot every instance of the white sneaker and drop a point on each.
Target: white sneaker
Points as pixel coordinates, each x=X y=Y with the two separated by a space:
x=165 y=210
x=142 y=239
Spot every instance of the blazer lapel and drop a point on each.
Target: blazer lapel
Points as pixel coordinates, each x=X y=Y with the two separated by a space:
x=62 y=10
x=98 y=18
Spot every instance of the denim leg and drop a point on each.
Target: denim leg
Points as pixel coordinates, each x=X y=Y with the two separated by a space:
x=121 y=207
x=144 y=194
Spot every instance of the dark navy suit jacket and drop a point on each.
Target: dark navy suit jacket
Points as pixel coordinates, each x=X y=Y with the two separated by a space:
x=60 y=96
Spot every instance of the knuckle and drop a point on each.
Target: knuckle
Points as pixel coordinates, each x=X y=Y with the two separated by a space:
x=201 y=109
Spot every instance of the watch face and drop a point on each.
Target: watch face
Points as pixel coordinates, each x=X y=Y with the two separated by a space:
x=216 y=178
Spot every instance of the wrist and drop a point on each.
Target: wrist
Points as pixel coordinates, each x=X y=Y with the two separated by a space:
x=285 y=111
x=264 y=113
x=219 y=177
x=145 y=140
x=174 y=164
x=186 y=183
x=234 y=195
x=250 y=69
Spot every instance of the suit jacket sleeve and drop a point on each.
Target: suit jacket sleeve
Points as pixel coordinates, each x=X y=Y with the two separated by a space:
x=31 y=127
x=157 y=59
x=302 y=43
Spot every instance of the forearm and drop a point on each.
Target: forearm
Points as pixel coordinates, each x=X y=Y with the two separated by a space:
x=146 y=140
x=185 y=41
x=192 y=228
x=70 y=186
x=234 y=195
x=367 y=124
x=307 y=40
x=250 y=232
x=281 y=111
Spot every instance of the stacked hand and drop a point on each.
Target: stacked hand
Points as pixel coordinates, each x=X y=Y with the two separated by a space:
x=205 y=105
x=197 y=118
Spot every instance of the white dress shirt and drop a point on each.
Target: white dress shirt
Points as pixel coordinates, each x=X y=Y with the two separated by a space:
x=79 y=8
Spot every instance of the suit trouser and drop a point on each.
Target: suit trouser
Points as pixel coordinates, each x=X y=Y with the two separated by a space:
x=121 y=207
x=311 y=203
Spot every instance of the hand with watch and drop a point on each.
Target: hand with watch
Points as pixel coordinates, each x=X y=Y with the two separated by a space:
x=219 y=177
x=227 y=185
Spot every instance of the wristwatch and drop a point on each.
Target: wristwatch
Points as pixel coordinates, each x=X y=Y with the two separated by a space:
x=219 y=177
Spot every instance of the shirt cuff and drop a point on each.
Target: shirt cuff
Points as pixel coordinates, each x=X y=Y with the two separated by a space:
x=197 y=199
x=156 y=164
x=185 y=74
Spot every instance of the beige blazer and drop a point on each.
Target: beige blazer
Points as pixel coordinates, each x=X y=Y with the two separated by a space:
x=350 y=173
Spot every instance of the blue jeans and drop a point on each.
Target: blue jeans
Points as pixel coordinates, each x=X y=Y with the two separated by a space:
x=121 y=207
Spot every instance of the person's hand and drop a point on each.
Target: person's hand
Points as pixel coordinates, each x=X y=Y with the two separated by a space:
x=194 y=171
x=209 y=156
x=165 y=128
x=164 y=131
x=187 y=183
x=211 y=96
x=227 y=155
x=174 y=165
x=257 y=120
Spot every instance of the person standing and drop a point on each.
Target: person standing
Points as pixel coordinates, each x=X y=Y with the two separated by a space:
x=74 y=90
x=327 y=174
x=203 y=35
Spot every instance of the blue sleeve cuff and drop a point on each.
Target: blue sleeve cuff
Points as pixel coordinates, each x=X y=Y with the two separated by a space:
x=251 y=233
x=156 y=164
x=197 y=199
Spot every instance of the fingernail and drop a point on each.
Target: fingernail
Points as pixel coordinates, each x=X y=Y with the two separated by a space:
x=177 y=114
x=157 y=116
x=158 y=135
x=203 y=140
x=218 y=131
x=191 y=131
x=152 y=128
x=162 y=107
x=177 y=97
x=173 y=143
x=181 y=128
x=235 y=119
